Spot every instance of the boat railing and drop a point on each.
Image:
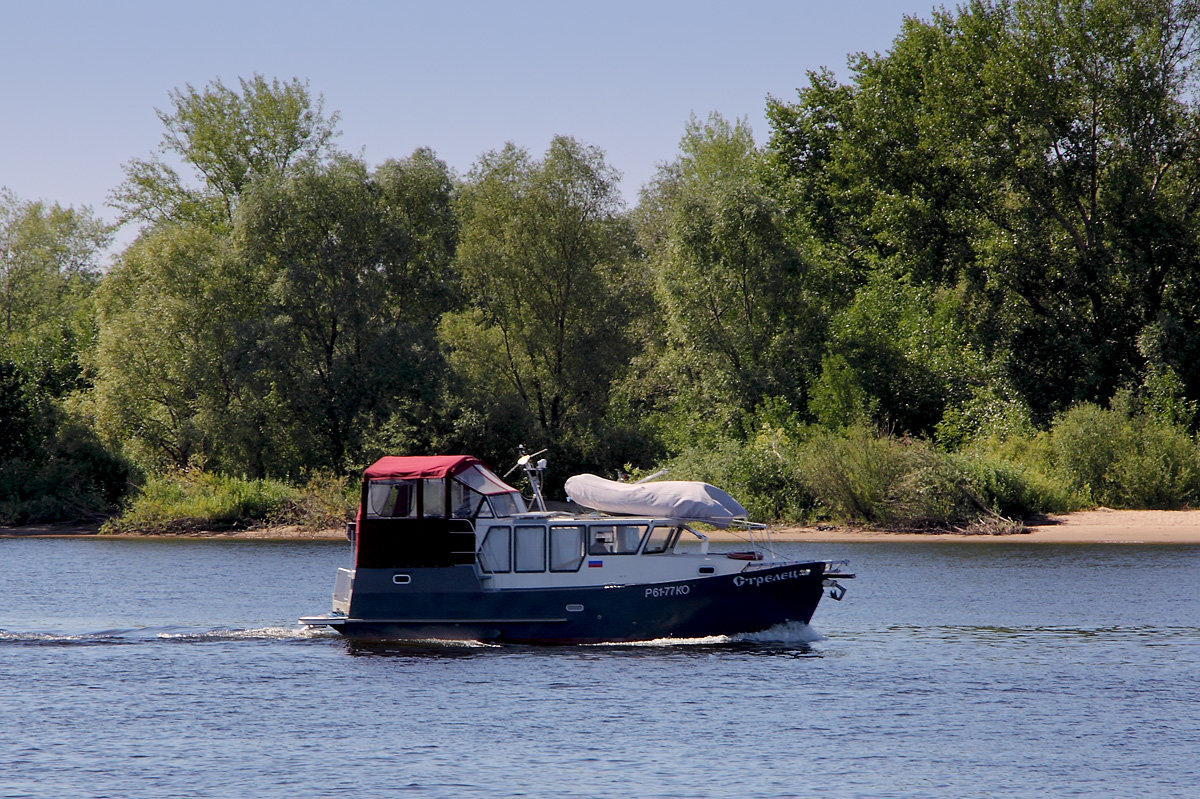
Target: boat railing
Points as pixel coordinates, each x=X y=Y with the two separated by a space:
x=758 y=536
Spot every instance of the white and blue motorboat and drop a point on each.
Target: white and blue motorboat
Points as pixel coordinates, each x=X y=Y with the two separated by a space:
x=446 y=549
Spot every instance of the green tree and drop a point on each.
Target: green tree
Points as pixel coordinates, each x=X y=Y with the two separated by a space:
x=21 y=430
x=733 y=286
x=51 y=465
x=173 y=373
x=356 y=266
x=1042 y=154
x=544 y=259
x=229 y=138
x=49 y=266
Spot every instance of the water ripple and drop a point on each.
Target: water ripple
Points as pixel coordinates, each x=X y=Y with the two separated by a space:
x=1108 y=633
x=147 y=635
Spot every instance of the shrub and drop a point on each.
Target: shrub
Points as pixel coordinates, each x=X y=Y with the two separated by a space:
x=192 y=499
x=761 y=474
x=1160 y=469
x=934 y=492
x=1016 y=476
x=325 y=501
x=1120 y=460
x=1087 y=441
x=852 y=475
x=859 y=476
x=898 y=482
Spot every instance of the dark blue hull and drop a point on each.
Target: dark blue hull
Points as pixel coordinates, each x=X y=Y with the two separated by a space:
x=451 y=603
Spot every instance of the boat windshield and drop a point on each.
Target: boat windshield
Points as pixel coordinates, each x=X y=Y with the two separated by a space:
x=504 y=504
x=481 y=479
x=477 y=492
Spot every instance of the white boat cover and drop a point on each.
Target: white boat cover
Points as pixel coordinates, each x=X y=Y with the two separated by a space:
x=670 y=499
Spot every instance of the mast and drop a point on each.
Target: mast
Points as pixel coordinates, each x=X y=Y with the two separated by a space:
x=533 y=472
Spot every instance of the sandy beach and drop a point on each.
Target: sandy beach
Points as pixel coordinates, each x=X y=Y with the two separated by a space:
x=1102 y=526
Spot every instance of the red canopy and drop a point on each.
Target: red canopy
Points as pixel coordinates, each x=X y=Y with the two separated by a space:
x=411 y=467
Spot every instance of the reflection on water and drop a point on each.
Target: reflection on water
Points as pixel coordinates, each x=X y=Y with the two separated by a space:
x=649 y=649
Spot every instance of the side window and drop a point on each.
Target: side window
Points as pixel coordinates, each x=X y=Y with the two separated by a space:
x=615 y=539
x=434 y=498
x=530 y=546
x=602 y=539
x=391 y=498
x=566 y=548
x=660 y=538
x=629 y=537
x=495 y=554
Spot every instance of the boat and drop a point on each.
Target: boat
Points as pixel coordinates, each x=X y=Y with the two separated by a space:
x=446 y=549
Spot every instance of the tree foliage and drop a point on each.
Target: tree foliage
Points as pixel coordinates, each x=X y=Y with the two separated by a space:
x=544 y=259
x=51 y=464
x=230 y=139
x=280 y=347
x=1042 y=154
x=740 y=322
x=356 y=267
x=169 y=367
x=49 y=266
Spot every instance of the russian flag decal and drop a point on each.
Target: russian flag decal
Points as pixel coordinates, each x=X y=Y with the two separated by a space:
x=595 y=564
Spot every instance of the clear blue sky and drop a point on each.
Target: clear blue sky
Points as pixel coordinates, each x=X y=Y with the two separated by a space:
x=79 y=81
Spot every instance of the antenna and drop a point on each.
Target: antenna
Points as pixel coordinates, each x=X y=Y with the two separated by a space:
x=533 y=472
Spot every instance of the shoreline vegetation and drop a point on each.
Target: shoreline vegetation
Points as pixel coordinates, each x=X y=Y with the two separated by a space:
x=911 y=307
x=803 y=479
x=1099 y=526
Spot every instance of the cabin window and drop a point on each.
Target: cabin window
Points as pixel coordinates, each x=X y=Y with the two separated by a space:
x=464 y=503
x=566 y=548
x=530 y=549
x=495 y=554
x=629 y=538
x=615 y=539
x=661 y=539
x=507 y=504
x=434 y=497
x=392 y=498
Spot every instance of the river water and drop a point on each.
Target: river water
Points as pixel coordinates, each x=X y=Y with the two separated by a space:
x=176 y=669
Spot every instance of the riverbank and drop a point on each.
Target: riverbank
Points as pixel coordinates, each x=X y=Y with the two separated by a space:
x=261 y=533
x=1102 y=526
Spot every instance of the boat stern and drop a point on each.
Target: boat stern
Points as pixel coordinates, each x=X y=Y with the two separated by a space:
x=342 y=588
